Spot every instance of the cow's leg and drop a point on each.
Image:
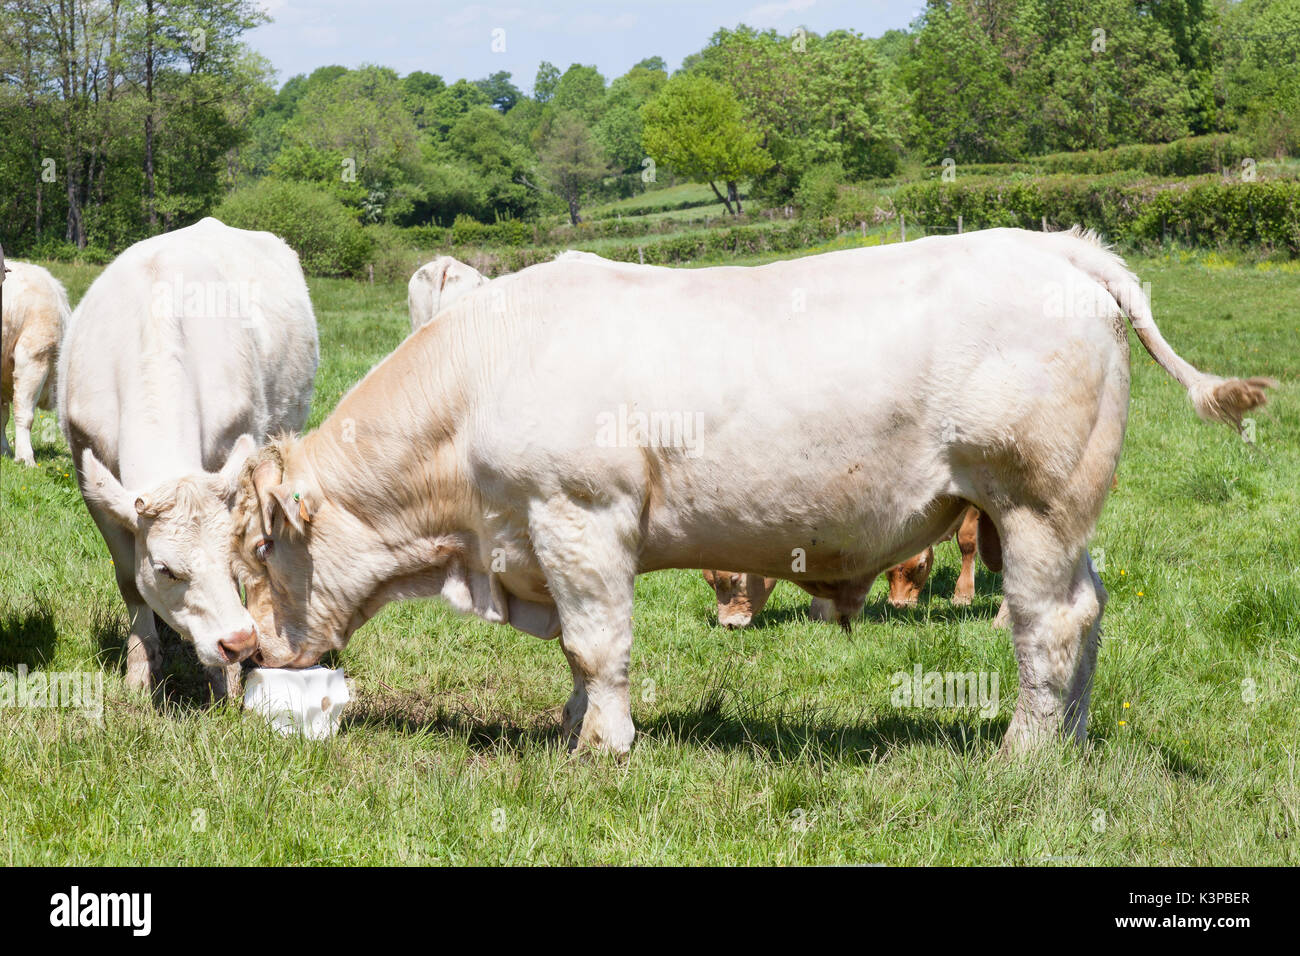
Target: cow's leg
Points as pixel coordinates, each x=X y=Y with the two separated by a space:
x=575 y=708
x=5 y=450
x=967 y=541
x=588 y=556
x=143 y=649
x=30 y=372
x=225 y=682
x=1003 y=618
x=1055 y=606
x=1080 y=694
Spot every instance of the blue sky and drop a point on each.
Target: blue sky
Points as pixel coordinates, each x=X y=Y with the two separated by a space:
x=454 y=39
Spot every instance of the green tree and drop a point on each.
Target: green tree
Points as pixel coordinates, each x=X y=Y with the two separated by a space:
x=481 y=142
x=620 y=128
x=360 y=120
x=696 y=126
x=581 y=90
x=571 y=161
x=965 y=106
x=548 y=77
x=450 y=105
x=1262 y=72
x=500 y=92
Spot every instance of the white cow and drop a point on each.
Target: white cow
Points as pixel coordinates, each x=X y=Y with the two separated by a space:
x=436 y=285
x=188 y=347
x=35 y=313
x=818 y=420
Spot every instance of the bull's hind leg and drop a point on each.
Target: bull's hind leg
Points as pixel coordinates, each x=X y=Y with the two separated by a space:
x=30 y=373
x=1055 y=600
x=587 y=554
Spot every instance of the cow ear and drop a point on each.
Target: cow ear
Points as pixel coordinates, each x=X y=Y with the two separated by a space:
x=265 y=477
x=711 y=577
x=229 y=475
x=299 y=506
x=102 y=490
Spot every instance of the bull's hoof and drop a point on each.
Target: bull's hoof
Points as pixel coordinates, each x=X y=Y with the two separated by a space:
x=139 y=678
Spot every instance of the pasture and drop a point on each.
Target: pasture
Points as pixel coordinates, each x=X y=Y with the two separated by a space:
x=777 y=744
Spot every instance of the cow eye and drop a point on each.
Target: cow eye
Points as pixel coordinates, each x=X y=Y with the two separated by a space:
x=166 y=572
x=264 y=548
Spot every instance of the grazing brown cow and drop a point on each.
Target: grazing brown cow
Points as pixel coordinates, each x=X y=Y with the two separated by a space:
x=907 y=579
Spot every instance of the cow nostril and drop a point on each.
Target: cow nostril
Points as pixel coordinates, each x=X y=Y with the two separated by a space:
x=237 y=646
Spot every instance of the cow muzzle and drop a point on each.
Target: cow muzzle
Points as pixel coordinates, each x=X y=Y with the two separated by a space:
x=237 y=646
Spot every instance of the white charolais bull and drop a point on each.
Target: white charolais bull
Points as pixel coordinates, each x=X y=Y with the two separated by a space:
x=35 y=313
x=186 y=349
x=851 y=404
x=436 y=285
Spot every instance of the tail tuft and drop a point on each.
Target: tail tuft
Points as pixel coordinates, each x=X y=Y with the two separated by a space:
x=1227 y=400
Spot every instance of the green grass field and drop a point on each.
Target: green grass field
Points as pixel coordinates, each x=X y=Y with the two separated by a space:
x=778 y=744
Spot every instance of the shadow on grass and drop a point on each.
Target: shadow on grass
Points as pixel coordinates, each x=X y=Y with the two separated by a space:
x=184 y=681
x=724 y=719
x=409 y=713
x=715 y=723
x=27 y=633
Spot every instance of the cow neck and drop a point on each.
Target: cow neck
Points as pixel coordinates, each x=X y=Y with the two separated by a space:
x=391 y=453
x=161 y=435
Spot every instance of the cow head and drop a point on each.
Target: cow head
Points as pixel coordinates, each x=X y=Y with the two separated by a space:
x=907 y=579
x=182 y=541
x=436 y=285
x=740 y=596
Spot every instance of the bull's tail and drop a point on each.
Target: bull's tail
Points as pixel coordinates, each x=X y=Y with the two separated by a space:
x=1215 y=399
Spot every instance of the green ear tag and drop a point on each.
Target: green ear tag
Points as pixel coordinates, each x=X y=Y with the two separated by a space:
x=297 y=497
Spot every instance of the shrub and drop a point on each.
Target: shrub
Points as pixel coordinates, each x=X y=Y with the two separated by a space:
x=325 y=234
x=818 y=189
x=467 y=231
x=1191 y=156
x=59 y=250
x=1202 y=211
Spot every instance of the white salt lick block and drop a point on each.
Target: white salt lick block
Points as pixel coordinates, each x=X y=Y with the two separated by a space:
x=307 y=701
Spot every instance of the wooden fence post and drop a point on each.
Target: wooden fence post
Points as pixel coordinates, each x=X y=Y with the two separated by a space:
x=902 y=224
x=959 y=224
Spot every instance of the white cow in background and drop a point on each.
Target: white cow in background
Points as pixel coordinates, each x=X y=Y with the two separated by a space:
x=437 y=284
x=35 y=313
x=187 y=351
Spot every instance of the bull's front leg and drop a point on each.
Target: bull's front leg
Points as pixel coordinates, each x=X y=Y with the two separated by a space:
x=588 y=556
x=225 y=682
x=143 y=649
x=5 y=450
